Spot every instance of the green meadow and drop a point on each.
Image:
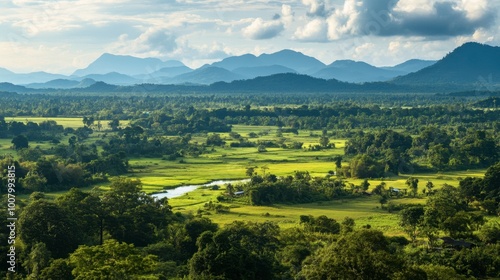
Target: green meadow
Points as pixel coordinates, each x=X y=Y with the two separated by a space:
x=364 y=210
x=72 y=122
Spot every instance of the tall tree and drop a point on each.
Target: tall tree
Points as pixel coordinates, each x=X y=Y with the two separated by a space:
x=412 y=183
x=112 y=260
x=46 y=222
x=133 y=216
x=20 y=142
x=412 y=220
x=238 y=251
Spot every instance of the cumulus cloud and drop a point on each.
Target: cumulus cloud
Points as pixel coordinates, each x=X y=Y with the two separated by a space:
x=410 y=18
x=314 y=31
x=317 y=8
x=158 y=39
x=154 y=41
x=260 y=29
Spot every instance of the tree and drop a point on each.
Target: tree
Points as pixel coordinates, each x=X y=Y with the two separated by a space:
x=215 y=140
x=58 y=269
x=38 y=258
x=112 y=260
x=380 y=189
x=439 y=156
x=338 y=161
x=30 y=154
x=250 y=171
x=261 y=149
x=46 y=222
x=88 y=121
x=444 y=204
x=413 y=184
x=114 y=124
x=34 y=182
x=365 y=185
x=363 y=254
x=430 y=187
x=490 y=233
x=459 y=225
x=364 y=166
x=471 y=188
x=238 y=251
x=87 y=210
x=347 y=225
x=441 y=272
x=20 y=142
x=491 y=187
x=411 y=221
x=324 y=141
x=133 y=216
x=383 y=200
x=321 y=224
x=190 y=232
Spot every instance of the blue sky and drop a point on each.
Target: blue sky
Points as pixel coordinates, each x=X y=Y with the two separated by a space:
x=61 y=36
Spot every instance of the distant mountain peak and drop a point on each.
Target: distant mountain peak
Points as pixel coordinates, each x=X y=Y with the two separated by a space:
x=470 y=63
x=291 y=59
x=125 y=64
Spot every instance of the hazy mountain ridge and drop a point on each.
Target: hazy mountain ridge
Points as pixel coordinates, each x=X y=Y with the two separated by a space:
x=356 y=72
x=125 y=64
x=471 y=64
x=133 y=70
x=410 y=66
x=25 y=78
x=297 y=61
x=204 y=75
x=259 y=71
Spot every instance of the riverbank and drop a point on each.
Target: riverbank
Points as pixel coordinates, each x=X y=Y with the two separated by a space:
x=181 y=190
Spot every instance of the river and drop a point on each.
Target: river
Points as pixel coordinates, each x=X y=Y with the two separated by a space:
x=179 y=191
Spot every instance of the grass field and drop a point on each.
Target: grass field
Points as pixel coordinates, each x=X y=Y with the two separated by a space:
x=65 y=122
x=364 y=210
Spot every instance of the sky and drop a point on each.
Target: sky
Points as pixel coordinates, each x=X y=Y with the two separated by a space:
x=62 y=36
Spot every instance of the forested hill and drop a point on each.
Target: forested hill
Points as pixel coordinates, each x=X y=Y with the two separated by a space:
x=287 y=82
x=469 y=64
x=291 y=82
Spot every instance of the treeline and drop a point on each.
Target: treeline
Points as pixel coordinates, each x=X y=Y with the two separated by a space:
x=353 y=116
x=46 y=130
x=376 y=154
x=299 y=188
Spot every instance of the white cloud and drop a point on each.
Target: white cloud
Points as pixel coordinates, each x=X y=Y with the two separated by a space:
x=428 y=18
x=155 y=41
x=260 y=29
x=287 y=15
x=314 y=31
x=317 y=8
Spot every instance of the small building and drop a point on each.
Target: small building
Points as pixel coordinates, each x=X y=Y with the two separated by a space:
x=239 y=193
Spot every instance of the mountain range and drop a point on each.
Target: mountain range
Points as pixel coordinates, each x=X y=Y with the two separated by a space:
x=471 y=64
x=129 y=70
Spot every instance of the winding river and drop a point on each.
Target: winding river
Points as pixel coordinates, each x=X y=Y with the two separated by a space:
x=181 y=190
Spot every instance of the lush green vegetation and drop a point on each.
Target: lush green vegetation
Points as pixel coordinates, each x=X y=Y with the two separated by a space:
x=387 y=186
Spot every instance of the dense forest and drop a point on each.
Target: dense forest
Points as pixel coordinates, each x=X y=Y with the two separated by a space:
x=122 y=232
